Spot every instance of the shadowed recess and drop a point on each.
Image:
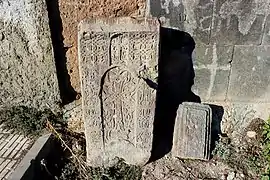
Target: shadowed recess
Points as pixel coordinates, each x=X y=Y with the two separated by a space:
x=176 y=77
x=68 y=94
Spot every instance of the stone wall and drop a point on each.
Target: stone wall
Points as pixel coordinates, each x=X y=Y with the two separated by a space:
x=231 y=58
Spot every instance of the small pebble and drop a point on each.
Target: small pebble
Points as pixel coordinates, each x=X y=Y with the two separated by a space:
x=231 y=176
x=251 y=134
x=223 y=177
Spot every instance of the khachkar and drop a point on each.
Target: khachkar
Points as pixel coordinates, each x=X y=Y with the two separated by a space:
x=192 y=131
x=116 y=56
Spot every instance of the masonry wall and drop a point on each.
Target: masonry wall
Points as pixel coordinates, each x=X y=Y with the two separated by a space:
x=232 y=54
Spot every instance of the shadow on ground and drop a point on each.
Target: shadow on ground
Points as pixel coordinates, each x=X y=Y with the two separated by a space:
x=217 y=114
x=176 y=77
x=67 y=93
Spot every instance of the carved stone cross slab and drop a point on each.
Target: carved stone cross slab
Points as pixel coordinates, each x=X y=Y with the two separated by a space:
x=192 y=132
x=115 y=57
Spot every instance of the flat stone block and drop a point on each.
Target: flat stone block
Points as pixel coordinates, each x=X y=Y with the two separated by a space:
x=239 y=22
x=192 y=132
x=201 y=82
x=212 y=70
x=193 y=17
x=213 y=55
x=27 y=67
x=250 y=74
x=211 y=85
x=220 y=86
x=118 y=105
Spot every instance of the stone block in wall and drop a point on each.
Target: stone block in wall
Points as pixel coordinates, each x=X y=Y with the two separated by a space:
x=212 y=65
x=118 y=105
x=239 y=22
x=250 y=76
x=193 y=17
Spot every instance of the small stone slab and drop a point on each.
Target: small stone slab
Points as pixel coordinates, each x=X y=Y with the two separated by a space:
x=118 y=105
x=32 y=159
x=192 y=132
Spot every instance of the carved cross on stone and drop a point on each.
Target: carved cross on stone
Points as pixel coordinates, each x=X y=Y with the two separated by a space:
x=192 y=131
x=115 y=57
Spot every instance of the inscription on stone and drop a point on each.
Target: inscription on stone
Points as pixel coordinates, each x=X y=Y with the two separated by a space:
x=118 y=105
x=192 y=132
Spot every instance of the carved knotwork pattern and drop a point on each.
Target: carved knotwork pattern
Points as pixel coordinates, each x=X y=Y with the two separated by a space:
x=117 y=102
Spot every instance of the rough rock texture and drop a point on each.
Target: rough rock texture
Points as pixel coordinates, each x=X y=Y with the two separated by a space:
x=192 y=16
x=192 y=131
x=27 y=69
x=72 y=113
x=116 y=56
x=73 y=11
x=239 y=22
x=169 y=168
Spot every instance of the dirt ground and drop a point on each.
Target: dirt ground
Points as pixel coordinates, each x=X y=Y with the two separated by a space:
x=73 y=11
x=230 y=161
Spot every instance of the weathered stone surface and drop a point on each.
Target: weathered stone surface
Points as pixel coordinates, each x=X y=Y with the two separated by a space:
x=266 y=36
x=118 y=105
x=194 y=17
x=249 y=79
x=72 y=113
x=212 y=71
x=220 y=86
x=201 y=83
x=27 y=69
x=239 y=22
x=212 y=55
x=192 y=133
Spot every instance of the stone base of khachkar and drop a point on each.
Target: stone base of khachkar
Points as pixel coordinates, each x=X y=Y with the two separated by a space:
x=115 y=57
x=192 y=131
